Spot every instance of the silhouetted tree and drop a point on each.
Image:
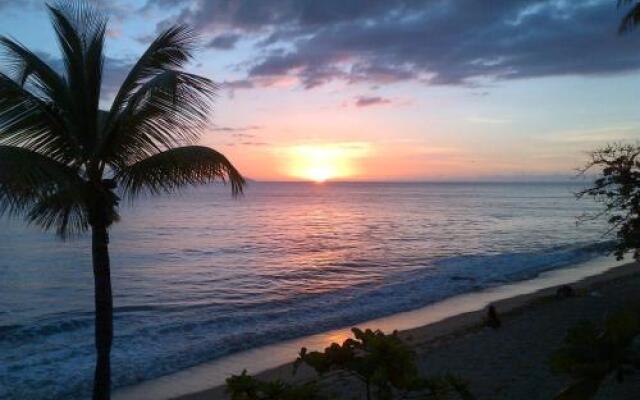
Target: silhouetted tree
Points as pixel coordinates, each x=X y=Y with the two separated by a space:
x=618 y=189
x=631 y=18
x=62 y=158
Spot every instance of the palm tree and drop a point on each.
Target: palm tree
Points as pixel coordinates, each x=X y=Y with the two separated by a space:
x=62 y=159
x=631 y=18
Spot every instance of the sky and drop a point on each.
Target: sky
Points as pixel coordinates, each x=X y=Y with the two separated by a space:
x=390 y=89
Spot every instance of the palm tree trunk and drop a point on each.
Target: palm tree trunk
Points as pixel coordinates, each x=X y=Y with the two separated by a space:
x=368 y=387
x=104 y=311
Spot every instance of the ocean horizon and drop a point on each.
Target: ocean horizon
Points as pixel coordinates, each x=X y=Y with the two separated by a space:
x=200 y=275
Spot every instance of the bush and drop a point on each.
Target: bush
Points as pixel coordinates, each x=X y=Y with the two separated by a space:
x=384 y=364
x=590 y=355
x=246 y=387
x=617 y=188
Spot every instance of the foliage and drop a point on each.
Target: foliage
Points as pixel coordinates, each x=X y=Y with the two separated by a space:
x=383 y=363
x=618 y=189
x=589 y=355
x=62 y=157
x=631 y=18
x=246 y=387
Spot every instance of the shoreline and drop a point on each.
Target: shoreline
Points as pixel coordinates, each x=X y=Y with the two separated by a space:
x=445 y=319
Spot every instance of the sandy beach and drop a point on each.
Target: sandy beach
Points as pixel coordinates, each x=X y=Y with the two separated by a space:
x=511 y=362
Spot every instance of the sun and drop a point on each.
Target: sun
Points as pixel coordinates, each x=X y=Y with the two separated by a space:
x=323 y=162
x=320 y=174
x=318 y=164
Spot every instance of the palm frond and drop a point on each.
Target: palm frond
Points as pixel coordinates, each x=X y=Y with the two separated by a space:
x=170 y=50
x=29 y=181
x=29 y=70
x=28 y=121
x=94 y=63
x=63 y=210
x=167 y=111
x=631 y=19
x=56 y=144
x=80 y=30
x=175 y=168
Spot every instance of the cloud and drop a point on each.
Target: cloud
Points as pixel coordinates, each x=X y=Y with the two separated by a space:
x=115 y=72
x=224 y=41
x=249 y=143
x=446 y=42
x=238 y=84
x=242 y=134
x=368 y=101
x=218 y=128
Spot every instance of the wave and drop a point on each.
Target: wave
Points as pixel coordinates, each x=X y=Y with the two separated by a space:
x=220 y=335
x=169 y=339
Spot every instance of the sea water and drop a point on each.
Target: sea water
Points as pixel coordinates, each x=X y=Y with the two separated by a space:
x=200 y=275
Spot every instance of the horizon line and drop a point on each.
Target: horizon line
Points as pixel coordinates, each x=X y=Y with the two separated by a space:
x=564 y=180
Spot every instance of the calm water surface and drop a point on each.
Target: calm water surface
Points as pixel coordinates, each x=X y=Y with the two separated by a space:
x=200 y=275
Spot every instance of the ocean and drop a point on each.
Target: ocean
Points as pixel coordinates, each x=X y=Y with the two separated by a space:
x=200 y=275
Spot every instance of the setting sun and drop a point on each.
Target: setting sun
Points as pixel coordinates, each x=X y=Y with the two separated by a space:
x=320 y=163
x=320 y=174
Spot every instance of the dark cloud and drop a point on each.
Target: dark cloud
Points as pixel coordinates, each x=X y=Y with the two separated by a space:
x=238 y=84
x=252 y=15
x=367 y=101
x=457 y=42
x=115 y=71
x=224 y=41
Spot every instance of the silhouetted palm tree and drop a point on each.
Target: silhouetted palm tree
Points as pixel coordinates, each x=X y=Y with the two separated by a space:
x=62 y=158
x=632 y=18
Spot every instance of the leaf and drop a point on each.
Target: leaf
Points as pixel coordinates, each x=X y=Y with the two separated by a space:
x=246 y=387
x=168 y=110
x=622 y=327
x=580 y=390
x=59 y=151
x=631 y=20
x=48 y=192
x=175 y=168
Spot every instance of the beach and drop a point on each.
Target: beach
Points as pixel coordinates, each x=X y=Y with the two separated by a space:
x=512 y=361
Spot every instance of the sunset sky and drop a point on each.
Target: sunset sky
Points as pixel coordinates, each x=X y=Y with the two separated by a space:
x=391 y=89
